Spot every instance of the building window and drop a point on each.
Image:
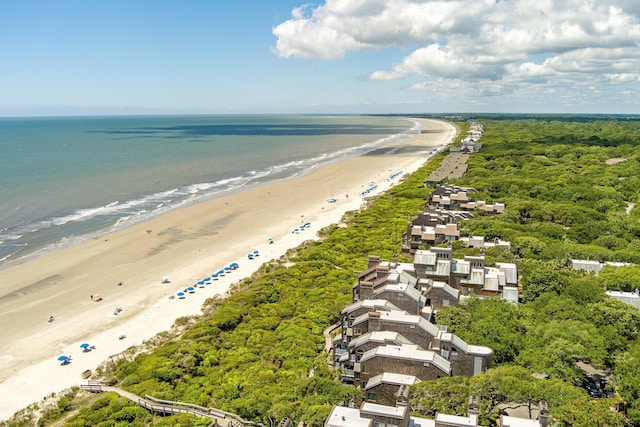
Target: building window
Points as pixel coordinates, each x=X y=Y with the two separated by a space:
x=371 y=397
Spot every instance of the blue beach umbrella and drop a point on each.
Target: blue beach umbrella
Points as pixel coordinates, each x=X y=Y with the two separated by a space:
x=256 y=253
x=191 y=289
x=234 y=265
x=227 y=269
x=250 y=256
x=221 y=273
x=84 y=345
x=180 y=294
x=215 y=276
x=63 y=358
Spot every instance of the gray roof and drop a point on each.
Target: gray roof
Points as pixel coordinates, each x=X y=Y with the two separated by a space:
x=405 y=288
x=631 y=298
x=373 y=304
x=491 y=282
x=591 y=266
x=460 y=266
x=462 y=344
x=407 y=277
x=400 y=316
x=424 y=258
x=510 y=293
x=384 y=410
x=379 y=336
x=409 y=352
x=510 y=272
x=342 y=416
x=443 y=268
x=477 y=276
x=448 y=289
x=391 y=378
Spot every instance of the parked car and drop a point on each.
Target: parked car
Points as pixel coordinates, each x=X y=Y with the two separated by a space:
x=607 y=390
x=593 y=389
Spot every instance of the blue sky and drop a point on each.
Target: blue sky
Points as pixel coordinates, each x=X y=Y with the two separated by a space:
x=333 y=56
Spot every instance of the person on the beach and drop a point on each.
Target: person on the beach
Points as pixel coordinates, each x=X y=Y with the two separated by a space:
x=51 y=318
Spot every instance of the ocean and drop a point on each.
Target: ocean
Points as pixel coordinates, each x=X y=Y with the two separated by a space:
x=67 y=179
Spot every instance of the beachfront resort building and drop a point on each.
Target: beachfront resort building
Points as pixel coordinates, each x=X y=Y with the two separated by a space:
x=397 y=342
x=398 y=414
x=452 y=197
x=439 y=279
x=448 y=205
x=389 y=328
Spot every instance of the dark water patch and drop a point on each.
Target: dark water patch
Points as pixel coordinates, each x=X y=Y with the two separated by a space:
x=252 y=130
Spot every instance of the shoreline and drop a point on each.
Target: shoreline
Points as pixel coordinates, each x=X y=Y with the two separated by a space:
x=186 y=245
x=136 y=209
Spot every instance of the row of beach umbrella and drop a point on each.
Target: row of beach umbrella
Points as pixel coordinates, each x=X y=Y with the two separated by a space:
x=395 y=175
x=302 y=227
x=368 y=190
x=207 y=280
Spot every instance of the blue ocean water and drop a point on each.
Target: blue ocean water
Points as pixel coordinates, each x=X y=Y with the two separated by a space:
x=63 y=180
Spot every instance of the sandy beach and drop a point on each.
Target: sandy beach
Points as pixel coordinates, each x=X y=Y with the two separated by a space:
x=126 y=267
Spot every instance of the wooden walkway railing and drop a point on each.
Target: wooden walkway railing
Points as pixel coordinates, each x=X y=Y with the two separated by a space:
x=166 y=407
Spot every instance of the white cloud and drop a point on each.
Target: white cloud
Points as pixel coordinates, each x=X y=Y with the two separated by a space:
x=505 y=46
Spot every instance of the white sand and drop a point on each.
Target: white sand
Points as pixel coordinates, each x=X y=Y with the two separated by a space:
x=186 y=245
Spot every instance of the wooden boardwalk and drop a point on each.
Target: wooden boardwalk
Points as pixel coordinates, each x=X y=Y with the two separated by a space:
x=165 y=407
x=328 y=343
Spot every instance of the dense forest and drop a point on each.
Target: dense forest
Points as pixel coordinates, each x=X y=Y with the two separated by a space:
x=260 y=352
